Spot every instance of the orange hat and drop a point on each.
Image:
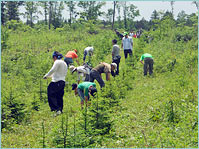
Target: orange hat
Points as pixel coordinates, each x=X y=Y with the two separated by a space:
x=75 y=50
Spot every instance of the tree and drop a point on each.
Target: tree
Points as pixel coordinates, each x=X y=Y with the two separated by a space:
x=114 y=5
x=3 y=12
x=172 y=4
x=109 y=15
x=131 y=14
x=182 y=17
x=154 y=15
x=71 y=7
x=50 y=14
x=91 y=9
x=12 y=9
x=118 y=4
x=44 y=5
x=196 y=3
x=31 y=12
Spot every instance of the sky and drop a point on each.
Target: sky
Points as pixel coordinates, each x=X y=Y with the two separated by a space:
x=145 y=8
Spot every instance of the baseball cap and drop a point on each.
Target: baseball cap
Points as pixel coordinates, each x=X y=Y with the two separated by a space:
x=74 y=85
x=125 y=33
x=75 y=50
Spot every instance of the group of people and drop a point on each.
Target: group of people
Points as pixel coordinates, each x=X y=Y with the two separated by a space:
x=59 y=69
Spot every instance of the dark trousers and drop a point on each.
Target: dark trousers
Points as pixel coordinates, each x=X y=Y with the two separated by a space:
x=128 y=51
x=117 y=61
x=95 y=75
x=148 y=65
x=55 y=95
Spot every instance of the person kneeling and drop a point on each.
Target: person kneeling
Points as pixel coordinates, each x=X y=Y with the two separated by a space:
x=83 y=90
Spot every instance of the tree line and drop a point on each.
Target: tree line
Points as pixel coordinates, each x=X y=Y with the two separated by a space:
x=121 y=15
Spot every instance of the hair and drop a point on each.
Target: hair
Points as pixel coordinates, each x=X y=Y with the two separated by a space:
x=114 y=41
x=57 y=55
x=93 y=90
x=74 y=86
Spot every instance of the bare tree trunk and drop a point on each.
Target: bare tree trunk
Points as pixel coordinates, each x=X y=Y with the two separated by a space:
x=31 y=23
x=114 y=4
x=45 y=12
x=50 y=14
x=125 y=21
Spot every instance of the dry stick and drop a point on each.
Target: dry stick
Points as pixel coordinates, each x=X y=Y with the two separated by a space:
x=43 y=128
x=144 y=136
x=66 y=129
x=74 y=130
x=97 y=112
x=40 y=92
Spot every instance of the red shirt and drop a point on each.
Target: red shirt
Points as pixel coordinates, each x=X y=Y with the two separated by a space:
x=71 y=54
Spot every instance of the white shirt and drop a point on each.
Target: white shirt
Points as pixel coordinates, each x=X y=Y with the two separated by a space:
x=89 y=49
x=127 y=43
x=131 y=34
x=82 y=71
x=58 y=71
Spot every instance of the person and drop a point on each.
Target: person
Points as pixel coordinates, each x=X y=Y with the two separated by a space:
x=82 y=71
x=83 y=90
x=89 y=51
x=102 y=68
x=132 y=33
x=148 y=62
x=116 y=56
x=127 y=45
x=70 y=56
x=56 y=87
x=119 y=34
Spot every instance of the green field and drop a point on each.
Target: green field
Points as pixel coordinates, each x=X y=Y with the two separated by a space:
x=133 y=111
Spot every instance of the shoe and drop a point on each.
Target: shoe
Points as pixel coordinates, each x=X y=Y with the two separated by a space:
x=58 y=112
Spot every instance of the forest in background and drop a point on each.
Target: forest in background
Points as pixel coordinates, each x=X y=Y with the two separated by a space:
x=131 y=111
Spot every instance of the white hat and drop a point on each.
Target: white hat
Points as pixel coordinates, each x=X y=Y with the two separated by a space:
x=114 y=65
x=71 y=68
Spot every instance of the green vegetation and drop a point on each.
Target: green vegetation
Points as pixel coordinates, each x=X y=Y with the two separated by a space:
x=131 y=111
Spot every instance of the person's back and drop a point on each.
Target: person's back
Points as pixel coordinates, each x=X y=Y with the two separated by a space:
x=127 y=42
x=84 y=86
x=71 y=54
x=115 y=51
x=58 y=71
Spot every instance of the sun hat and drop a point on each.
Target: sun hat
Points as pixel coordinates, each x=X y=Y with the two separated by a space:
x=71 y=68
x=114 y=65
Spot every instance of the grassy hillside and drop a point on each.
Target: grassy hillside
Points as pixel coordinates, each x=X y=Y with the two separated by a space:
x=131 y=111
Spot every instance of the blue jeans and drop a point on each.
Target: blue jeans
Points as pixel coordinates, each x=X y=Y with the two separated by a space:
x=68 y=60
x=81 y=94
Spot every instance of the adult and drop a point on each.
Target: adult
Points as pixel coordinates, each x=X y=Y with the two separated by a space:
x=132 y=33
x=148 y=63
x=56 y=87
x=70 y=56
x=82 y=71
x=116 y=56
x=83 y=90
x=119 y=34
x=89 y=51
x=102 y=68
x=127 y=45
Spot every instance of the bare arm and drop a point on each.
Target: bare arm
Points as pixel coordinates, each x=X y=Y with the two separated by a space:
x=141 y=62
x=108 y=76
